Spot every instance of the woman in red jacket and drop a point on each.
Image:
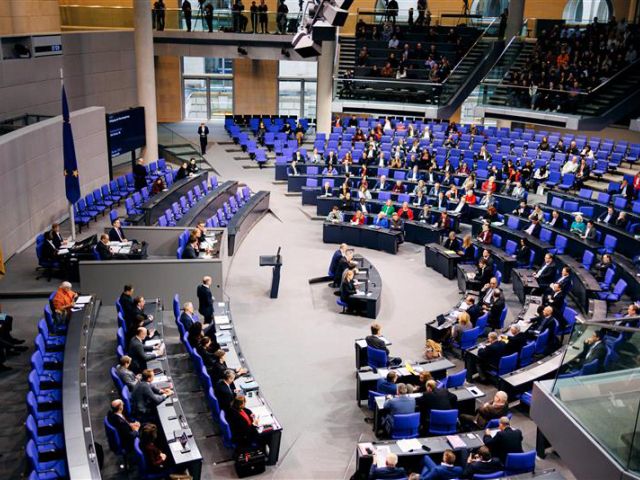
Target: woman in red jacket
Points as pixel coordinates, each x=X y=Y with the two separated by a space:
x=485 y=235
x=358 y=218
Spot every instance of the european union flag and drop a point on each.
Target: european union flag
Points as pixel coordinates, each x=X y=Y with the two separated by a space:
x=71 y=177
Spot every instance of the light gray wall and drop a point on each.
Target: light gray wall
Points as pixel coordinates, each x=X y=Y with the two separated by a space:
x=152 y=278
x=100 y=69
x=32 y=193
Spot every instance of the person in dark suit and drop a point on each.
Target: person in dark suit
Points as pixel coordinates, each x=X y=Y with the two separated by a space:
x=565 y=280
x=186 y=11
x=217 y=372
x=225 y=390
x=243 y=424
x=375 y=340
x=547 y=273
x=141 y=354
x=447 y=470
x=434 y=398
x=348 y=290
x=388 y=385
x=481 y=463
x=594 y=349
x=125 y=375
x=621 y=221
x=507 y=440
x=495 y=308
x=56 y=237
x=116 y=234
x=452 y=243
x=516 y=340
x=608 y=217
x=146 y=397
x=127 y=430
x=483 y=276
x=489 y=356
x=345 y=262
x=382 y=184
x=139 y=319
x=103 y=248
x=205 y=346
x=544 y=322
x=49 y=251
x=534 y=228
x=497 y=408
x=205 y=301
x=186 y=317
x=140 y=174
x=126 y=302
x=599 y=270
x=389 y=472
x=337 y=255
x=191 y=249
x=523 y=253
x=555 y=299
x=486 y=254
x=474 y=310
x=203 y=132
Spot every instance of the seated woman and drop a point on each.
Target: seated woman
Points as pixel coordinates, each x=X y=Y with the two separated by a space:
x=183 y=171
x=348 y=290
x=157 y=186
x=464 y=324
x=523 y=254
x=358 y=218
x=485 y=235
x=578 y=226
x=492 y=215
x=219 y=367
x=467 y=251
x=157 y=460
x=243 y=424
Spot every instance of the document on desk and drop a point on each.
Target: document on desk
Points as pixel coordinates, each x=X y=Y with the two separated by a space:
x=221 y=319
x=153 y=343
x=364 y=446
x=408 y=445
x=381 y=456
x=63 y=251
x=403 y=371
x=475 y=391
x=456 y=442
x=261 y=411
x=160 y=379
x=83 y=299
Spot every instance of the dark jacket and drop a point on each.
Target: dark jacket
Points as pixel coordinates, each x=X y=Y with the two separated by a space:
x=115 y=237
x=440 y=399
x=516 y=343
x=104 y=252
x=139 y=355
x=386 y=473
x=125 y=432
x=491 y=354
x=189 y=252
x=480 y=468
x=224 y=394
x=242 y=433
x=144 y=399
x=504 y=442
x=374 y=341
x=205 y=301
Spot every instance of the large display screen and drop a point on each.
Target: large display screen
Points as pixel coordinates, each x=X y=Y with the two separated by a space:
x=125 y=131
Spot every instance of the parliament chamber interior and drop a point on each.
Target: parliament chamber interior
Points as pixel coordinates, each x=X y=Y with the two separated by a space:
x=204 y=203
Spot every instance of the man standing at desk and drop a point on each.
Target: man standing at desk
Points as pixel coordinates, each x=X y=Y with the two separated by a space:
x=507 y=440
x=203 y=133
x=546 y=273
x=205 y=301
x=140 y=174
x=375 y=340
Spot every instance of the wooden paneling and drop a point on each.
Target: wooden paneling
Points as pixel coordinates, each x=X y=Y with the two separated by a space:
x=255 y=87
x=168 y=89
x=35 y=16
x=544 y=9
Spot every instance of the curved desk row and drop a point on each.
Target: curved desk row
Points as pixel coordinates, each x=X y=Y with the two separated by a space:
x=78 y=434
x=171 y=414
x=245 y=218
x=256 y=402
x=156 y=205
x=209 y=205
x=371 y=296
x=367 y=236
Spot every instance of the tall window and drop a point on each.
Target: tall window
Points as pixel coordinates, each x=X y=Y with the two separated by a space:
x=583 y=11
x=207 y=86
x=297 y=88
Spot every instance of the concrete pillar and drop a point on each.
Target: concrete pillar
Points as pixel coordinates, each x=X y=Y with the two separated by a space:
x=325 y=87
x=514 y=21
x=145 y=75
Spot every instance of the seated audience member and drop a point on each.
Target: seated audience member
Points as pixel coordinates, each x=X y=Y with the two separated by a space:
x=388 y=208
x=481 y=463
x=485 y=235
x=486 y=293
x=621 y=221
x=466 y=250
x=397 y=224
x=388 y=385
x=358 y=218
x=389 y=472
x=207 y=348
x=195 y=336
x=405 y=213
x=523 y=253
x=158 y=186
x=381 y=221
x=537 y=213
x=555 y=221
x=599 y=270
x=506 y=440
x=555 y=299
x=243 y=424
x=125 y=375
x=220 y=366
x=590 y=232
x=376 y=340
x=473 y=309
x=139 y=319
x=127 y=430
x=140 y=353
x=191 y=250
x=565 y=279
x=63 y=301
x=490 y=354
x=516 y=339
x=594 y=349
x=326 y=190
x=225 y=390
x=104 y=251
x=157 y=461
x=497 y=408
x=145 y=397
x=49 y=250
x=547 y=273
x=187 y=317
x=335 y=215
x=578 y=226
x=452 y=243
x=183 y=171
x=434 y=398
x=534 y=228
x=116 y=234
x=523 y=211
x=608 y=217
x=463 y=324
x=400 y=404
x=348 y=290
x=56 y=237
x=447 y=470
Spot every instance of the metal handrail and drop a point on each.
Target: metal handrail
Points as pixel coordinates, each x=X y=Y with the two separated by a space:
x=510 y=85
x=414 y=82
x=468 y=51
x=616 y=75
x=506 y=49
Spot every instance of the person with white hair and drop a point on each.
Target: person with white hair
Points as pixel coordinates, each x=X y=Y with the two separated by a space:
x=507 y=440
x=390 y=470
x=63 y=301
x=498 y=407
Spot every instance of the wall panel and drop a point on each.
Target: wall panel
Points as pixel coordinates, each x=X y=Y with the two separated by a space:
x=168 y=89
x=255 y=87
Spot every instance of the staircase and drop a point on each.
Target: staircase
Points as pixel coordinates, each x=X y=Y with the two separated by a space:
x=347 y=58
x=515 y=57
x=609 y=95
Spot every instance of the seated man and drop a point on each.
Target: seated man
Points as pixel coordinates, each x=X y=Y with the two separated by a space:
x=381 y=221
x=103 y=248
x=594 y=349
x=388 y=385
x=400 y=404
x=434 y=398
x=146 y=397
x=116 y=234
x=495 y=308
x=516 y=339
x=507 y=440
x=497 y=408
x=447 y=470
x=541 y=323
x=225 y=389
x=481 y=463
x=489 y=355
x=127 y=430
x=547 y=273
x=335 y=215
x=125 y=375
x=389 y=471
x=191 y=250
x=375 y=340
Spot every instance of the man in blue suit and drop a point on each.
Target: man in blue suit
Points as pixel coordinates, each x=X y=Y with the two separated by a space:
x=389 y=471
x=402 y=404
x=388 y=385
x=337 y=255
x=445 y=471
x=381 y=221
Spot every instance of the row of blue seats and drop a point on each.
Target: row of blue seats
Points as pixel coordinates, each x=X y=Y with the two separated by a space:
x=45 y=449
x=172 y=215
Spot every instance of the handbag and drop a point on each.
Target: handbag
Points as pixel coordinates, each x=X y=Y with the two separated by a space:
x=251 y=462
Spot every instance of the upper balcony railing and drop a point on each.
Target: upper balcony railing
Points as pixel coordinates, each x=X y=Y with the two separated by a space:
x=598 y=385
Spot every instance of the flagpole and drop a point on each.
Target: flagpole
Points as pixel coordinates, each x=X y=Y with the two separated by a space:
x=72 y=216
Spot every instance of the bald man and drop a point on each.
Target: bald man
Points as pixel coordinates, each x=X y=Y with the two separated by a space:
x=127 y=430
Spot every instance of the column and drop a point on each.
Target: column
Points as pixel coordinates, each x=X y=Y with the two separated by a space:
x=145 y=75
x=324 y=94
x=514 y=21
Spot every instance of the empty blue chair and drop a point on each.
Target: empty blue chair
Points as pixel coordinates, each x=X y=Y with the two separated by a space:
x=52 y=378
x=376 y=358
x=51 y=359
x=541 y=342
x=546 y=235
x=488 y=476
x=46 y=420
x=569 y=315
x=618 y=290
x=508 y=364
x=227 y=439
x=406 y=425
x=468 y=338
x=46 y=444
x=496 y=240
x=371 y=402
x=610 y=243
x=457 y=379
x=214 y=405
x=45 y=470
x=560 y=245
x=481 y=323
x=443 y=422
x=587 y=259
x=517 y=463
x=113 y=439
x=49 y=399
x=526 y=354
x=511 y=246
x=608 y=279
x=342 y=304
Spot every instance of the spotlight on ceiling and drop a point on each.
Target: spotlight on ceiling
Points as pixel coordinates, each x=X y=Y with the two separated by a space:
x=304 y=45
x=334 y=15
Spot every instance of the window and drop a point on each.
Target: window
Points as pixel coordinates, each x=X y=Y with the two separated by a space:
x=297 y=88
x=583 y=11
x=207 y=87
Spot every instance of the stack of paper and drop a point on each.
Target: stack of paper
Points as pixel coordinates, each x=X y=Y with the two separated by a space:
x=83 y=299
x=408 y=445
x=153 y=343
x=456 y=442
x=221 y=319
x=381 y=456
